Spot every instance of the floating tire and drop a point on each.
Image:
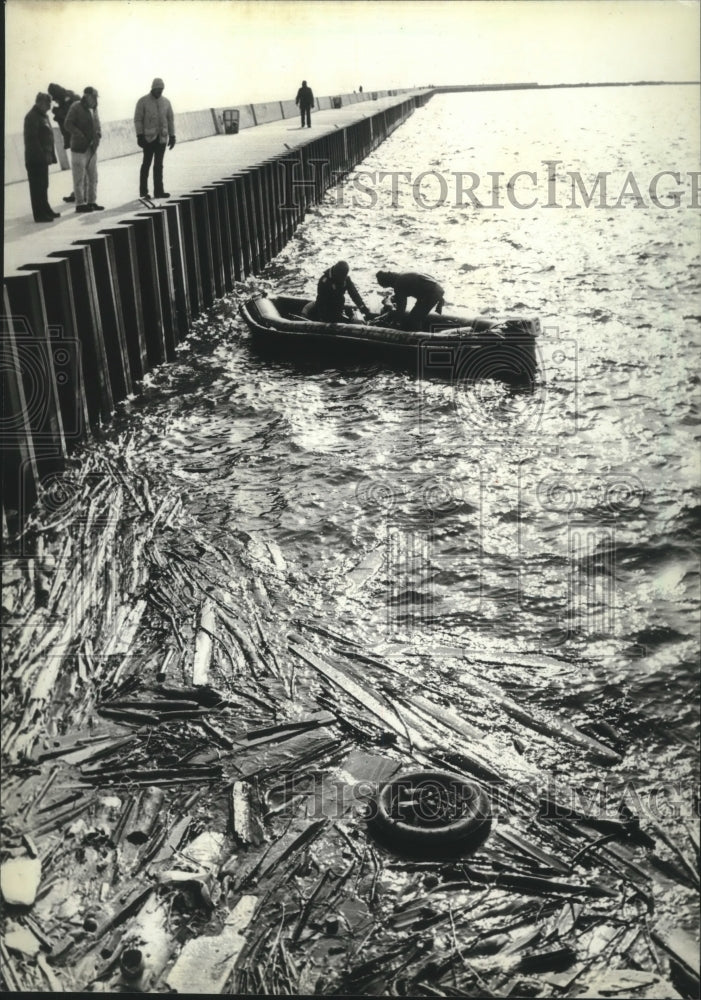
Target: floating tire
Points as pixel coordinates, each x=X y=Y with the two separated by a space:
x=430 y=813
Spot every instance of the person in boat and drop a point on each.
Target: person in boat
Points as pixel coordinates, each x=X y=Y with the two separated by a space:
x=411 y=284
x=331 y=296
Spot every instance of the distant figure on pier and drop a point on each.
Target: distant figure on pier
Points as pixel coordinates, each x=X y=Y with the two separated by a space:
x=305 y=101
x=360 y=89
x=411 y=284
x=155 y=127
x=83 y=125
x=38 y=154
x=63 y=99
x=331 y=296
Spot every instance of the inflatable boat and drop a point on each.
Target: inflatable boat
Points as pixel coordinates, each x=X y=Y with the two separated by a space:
x=457 y=348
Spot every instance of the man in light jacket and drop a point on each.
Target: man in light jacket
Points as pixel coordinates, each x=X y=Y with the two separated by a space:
x=155 y=127
x=83 y=125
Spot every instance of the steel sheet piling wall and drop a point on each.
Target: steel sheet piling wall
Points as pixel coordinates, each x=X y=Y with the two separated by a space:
x=20 y=470
x=147 y=258
x=126 y=296
x=128 y=279
x=109 y=303
x=166 y=286
x=98 y=384
x=186 y=211
x=30 y=339
x=179 y=268
x=55 y=276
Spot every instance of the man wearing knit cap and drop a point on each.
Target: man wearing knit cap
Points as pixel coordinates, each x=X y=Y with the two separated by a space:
x=83 y=125
x=155 y=127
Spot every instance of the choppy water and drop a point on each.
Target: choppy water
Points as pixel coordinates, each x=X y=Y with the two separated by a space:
x=419 y=517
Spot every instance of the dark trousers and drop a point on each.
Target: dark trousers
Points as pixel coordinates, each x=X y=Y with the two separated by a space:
x=306 y=113
x=153 y=152
x=38 y=174
x=416 y=319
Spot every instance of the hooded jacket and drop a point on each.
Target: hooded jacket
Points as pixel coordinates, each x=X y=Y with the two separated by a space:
x=331 y=296
x=83 y=126
x=412 y=283
x=153 y=118
x=63 y=98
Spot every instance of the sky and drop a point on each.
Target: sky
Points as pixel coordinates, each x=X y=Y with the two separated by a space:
x=213 y=53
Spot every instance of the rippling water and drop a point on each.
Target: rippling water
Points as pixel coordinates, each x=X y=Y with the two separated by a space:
x=424 y=518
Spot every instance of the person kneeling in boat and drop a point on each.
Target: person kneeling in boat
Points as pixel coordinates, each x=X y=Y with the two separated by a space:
x=331 y=296
x=411 y=284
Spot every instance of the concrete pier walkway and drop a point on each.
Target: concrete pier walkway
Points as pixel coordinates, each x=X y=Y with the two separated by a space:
x=189 y=166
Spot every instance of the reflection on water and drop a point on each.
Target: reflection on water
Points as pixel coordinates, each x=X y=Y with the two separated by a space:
x=424 y=519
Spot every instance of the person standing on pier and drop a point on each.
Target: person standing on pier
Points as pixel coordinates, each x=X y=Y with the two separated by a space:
x=83 y=124
x=39 y=152
x=331 y=296
x=155 y=128
x=411 y=284
x=63 y=99
x=305 y=101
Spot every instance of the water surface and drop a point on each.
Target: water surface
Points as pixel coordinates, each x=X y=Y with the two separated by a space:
x=427 y=520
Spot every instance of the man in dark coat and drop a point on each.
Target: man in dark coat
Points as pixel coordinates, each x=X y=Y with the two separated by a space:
x=305 y=101
x=411 y=284
x=331 y=296
x=38 y=154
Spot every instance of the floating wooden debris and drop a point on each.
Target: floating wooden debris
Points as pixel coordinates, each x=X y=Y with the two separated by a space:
x=204 y=852
x=144 y=815
x=203 y=644
x=246 y=825
x=389 y=717
x=148 y=938
x=220 y=756
x=513 y=839
x=126 y=626
x=633 y=984
x=21 y=940
x=19 y=880
x=548 y=726
x=205 y=963
x=683 y=951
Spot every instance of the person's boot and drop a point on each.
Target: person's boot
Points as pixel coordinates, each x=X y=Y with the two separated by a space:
x=162 y=194
x=70 y=197
x=96 y=208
